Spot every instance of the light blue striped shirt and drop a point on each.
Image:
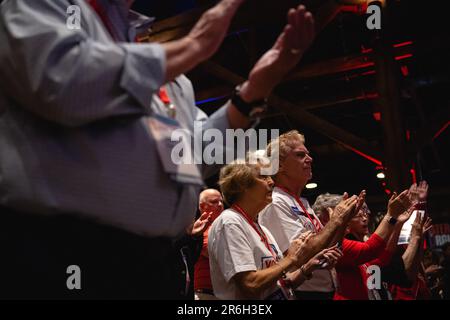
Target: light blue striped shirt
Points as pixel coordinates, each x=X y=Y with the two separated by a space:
x=73 y=136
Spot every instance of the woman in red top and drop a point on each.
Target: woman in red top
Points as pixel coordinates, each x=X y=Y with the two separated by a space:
x=358 y=256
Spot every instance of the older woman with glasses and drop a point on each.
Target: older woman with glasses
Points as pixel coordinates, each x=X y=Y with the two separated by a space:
x=245 y=260
x=352 y=268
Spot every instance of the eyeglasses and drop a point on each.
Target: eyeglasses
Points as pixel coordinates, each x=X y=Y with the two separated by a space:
x=363 y=213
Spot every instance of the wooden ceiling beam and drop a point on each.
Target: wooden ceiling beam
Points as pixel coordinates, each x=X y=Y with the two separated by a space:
x=178 y=26
x=302 y=117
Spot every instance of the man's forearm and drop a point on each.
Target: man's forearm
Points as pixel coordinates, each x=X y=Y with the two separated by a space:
x=181 y=56
x=334 y=229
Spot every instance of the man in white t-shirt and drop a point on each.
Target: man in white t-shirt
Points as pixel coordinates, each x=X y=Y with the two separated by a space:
x=290 y=215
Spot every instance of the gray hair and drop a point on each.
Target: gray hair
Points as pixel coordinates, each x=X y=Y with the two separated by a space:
x=325 y=201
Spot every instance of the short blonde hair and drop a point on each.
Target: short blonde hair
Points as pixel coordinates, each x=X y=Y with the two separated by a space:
x=235 y=178
x=284 y=144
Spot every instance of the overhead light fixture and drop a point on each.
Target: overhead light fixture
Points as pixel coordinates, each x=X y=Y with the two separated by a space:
x=311 y=185
x=381 y=175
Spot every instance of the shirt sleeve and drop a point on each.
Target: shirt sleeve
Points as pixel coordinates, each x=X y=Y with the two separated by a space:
x=356 y=253
x=74 y=77
x=234 y=252
x=283 y=229
x=383 y=259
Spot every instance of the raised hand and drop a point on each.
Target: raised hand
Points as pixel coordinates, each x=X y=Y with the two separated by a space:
x=419 y=193
x=402 y=218
x=398 y=204
x=287 y=51
x=420 y=226
x=345 y=210
x=201 y=224
x=427 y=225
x=360 y=201
x=422 y=190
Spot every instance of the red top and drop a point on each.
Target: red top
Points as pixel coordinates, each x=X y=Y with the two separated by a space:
x=418 y=291
x=202 y=276
x=350 y=272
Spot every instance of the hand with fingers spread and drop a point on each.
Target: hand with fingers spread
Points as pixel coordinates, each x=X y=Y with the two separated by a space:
x=427 y=225
x=419 y=193
x=398 y=204
x=287 y=51
x=420 y=226
x=201 y=224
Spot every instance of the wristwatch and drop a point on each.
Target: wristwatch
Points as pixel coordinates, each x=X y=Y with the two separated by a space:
x=249 y=109
x=391 y=220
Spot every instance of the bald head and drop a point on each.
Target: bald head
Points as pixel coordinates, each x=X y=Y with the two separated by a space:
x=210 y=200
x=208 y=193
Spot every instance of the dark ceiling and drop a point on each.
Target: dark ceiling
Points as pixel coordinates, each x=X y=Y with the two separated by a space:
x=336 y=84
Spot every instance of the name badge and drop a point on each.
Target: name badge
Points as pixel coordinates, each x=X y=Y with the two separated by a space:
x=185 y=172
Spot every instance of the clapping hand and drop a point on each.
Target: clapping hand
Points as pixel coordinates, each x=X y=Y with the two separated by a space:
x=399 y=204
x=419 y=193
x=299 y=247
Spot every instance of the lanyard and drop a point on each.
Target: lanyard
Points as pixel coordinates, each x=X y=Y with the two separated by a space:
x=171 y=110
x=261 y=233
x=314 y=221
x=287 y=292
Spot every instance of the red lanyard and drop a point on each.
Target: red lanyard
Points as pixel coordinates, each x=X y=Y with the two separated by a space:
x=261 y=233
x=266 y=243
x=314 y=221
x=164 y=96
x=171 y=110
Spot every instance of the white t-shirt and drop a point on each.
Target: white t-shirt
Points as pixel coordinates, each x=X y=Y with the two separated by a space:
x=286 y=221
x=234 y=247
